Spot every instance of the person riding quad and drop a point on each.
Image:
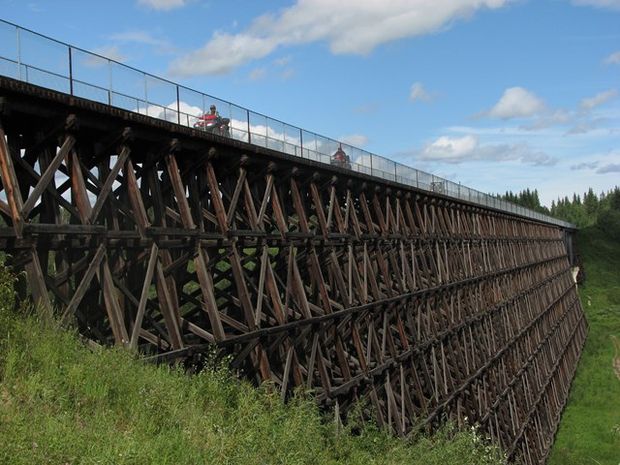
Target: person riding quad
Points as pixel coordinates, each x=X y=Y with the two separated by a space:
x=205 y=119
x=213 y=122
x=340 y=158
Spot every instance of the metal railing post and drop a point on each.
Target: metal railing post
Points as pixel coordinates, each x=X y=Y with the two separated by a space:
x=178 y=107
x=19 y=54
x=146 y=98
x=110 y=89
x=249 y=131
x=70 y=71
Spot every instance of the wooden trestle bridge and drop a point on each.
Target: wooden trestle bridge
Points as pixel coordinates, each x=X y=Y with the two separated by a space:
x=155 y=236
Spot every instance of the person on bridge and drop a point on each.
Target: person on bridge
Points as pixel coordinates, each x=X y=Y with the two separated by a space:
x=340 y=158
x=213 y=122
x=213 y=115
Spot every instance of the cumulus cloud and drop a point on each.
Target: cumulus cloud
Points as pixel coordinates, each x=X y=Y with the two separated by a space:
x=349 y=26
x=581 y=120
x=222 y=54
x=162 y=5
x=588 y=104
x=451 y=149
x=356 y=140
x=584 y=166
x=286 y=71
x=587 y=125
x=144 y=38
x=554 y=118
x=282 y=61
x=257 y=73
x=609 y=168
x=611 y=4
x=418 y=92
x=613 y=59
x=468 y=148
x=516 y=102
x=112 y=52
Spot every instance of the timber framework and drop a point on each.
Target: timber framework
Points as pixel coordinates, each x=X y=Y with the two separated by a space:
x=163 y=238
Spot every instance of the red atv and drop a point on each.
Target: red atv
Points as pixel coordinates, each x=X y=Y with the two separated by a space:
x=214 y=124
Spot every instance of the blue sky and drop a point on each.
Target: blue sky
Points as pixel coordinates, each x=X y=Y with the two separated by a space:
x=496 y=94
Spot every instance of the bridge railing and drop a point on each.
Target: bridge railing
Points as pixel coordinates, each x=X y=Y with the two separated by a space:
x=31 y=57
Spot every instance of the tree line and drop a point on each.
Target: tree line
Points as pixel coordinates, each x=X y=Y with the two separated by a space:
x=590 y=209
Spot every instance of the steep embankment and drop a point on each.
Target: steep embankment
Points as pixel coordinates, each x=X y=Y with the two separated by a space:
x=62 y=403
x=590 y=429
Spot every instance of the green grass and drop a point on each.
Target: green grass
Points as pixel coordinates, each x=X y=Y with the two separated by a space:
x=589 y=432
x=62 y=403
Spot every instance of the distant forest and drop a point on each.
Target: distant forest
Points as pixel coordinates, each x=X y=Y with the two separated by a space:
x=590 y=209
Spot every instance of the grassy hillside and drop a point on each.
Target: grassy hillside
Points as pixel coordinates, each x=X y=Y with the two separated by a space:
x=62 y=403
x=590 y=429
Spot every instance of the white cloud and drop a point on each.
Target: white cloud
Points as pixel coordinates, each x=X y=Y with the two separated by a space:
x=162 y=5
x=582 y=127
x=611 y=4
x=287 y=72
x=585 y=166
x=450 y=149
x=222 y=54
x=349 y=26
x=112 y=52
x=555 y=118
x=257 y=73
x=418 y=92
x=516 y=102
x=468 y=148
x=610 y=168
x=283 y=61
x=189 y=113
x=588 y=104
x=141 y=37
x=613 y=59
x=356 y=140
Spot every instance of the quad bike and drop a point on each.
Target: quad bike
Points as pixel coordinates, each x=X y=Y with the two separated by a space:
x=215 y=125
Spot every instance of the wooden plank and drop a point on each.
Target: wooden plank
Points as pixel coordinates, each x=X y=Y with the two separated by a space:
x=265 y=202
x=179 y=192
x=135 y=198
x=235 y=198
x=171 y=317
x=206 y=286
x=48 y=175
x=10 y=184
x=78 y=187
x=36 y=279
x=148 y=279
x=107 y=185
x=78 y=295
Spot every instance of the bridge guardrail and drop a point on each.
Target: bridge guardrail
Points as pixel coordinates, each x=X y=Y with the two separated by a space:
x=37 y=59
